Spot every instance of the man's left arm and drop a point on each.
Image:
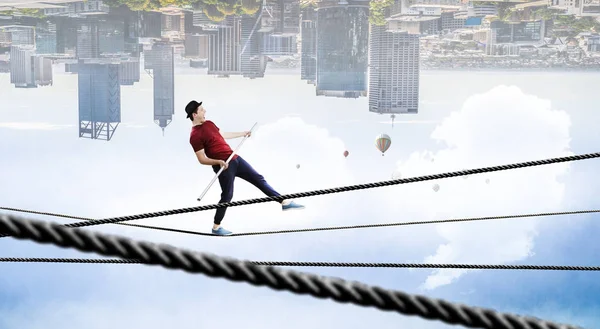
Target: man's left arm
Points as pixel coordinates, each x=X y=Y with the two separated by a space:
x=232 y=135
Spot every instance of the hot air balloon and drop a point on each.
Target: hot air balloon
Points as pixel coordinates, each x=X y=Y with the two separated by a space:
x=487 y=181
x=436 y=187
x=383 y=142
x=346 y=154
x=298 y=166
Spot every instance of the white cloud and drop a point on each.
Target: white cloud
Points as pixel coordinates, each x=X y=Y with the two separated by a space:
x=409 y=122
x=274 y=150
x=131 y=125
x=123 y=298
x=32 y=126
x=501 y=126
x=498 y=127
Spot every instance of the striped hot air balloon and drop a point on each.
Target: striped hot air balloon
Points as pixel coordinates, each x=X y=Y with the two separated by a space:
x=383 y=142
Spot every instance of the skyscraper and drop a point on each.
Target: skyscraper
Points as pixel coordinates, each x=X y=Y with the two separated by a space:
x=45 y=39
x=99 y=99
x=393 y=71
x=196 y=45
x=342 y=50
x=42 y=71
x=28 y=70
x=88 y=40
x=22 y=66
x=150 y=24
x=160 y=60
x=129 y=71
x=252 y=61
x=20 y=35
x=224 y=48
x=280 y=44
x=308 y=31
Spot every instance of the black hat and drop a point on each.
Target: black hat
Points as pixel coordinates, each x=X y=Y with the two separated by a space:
x=191 y=108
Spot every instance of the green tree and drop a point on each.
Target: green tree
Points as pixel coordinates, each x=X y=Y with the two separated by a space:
x=32 y=12
x=377 y=11
x=572 y=26
x=213 y=13
x=250 y=7
x=226 y=8
x=544 y=13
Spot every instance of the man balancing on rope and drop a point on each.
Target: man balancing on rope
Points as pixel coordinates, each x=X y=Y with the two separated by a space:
x=212 y=150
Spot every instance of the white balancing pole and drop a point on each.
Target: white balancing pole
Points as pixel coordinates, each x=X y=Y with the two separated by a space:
x=227 y=162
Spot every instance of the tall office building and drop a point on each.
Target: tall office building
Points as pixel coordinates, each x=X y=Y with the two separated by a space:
x=393 y=71
x=283 y=16
x=88 y=40
x=253 y=63
x=342 y=50
x=111 y=35
x=200 y=19
x=161 y=60
x=129 y=71
x=196 y=45
x=308 y=57
x=27 y=70
x=20 y=35
x=131 y=33
x=22 y=67
x=224 y=48
x=45 y=39
x=99 y=99
x=280 y=44
x=42 y=71
x=150 y=24
x=66 y=35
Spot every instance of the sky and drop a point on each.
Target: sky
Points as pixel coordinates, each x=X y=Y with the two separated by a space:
x=466 y=120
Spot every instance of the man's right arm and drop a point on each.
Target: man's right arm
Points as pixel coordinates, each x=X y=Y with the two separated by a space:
x=203 y=159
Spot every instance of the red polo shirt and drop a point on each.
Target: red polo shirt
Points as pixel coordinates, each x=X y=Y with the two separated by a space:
x=206 y=136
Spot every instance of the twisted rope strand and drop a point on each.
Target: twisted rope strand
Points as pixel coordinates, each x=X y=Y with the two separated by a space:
x=339 y=189
x=273 y=277
x=115 y=220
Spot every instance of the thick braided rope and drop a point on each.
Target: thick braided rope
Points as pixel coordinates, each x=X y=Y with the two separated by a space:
x=273 y=277
x=66 y=216
x=338 y=189
x=320 y=264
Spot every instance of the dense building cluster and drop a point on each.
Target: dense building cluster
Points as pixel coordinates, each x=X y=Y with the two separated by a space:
x=342 y=47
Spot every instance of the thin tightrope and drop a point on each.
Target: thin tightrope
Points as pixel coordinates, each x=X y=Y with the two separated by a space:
x=320 y=264
x=331 y=228
x=337 y=190
x=276 y=278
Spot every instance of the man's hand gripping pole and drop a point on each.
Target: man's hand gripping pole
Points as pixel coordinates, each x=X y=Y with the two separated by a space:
x=227 y=162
